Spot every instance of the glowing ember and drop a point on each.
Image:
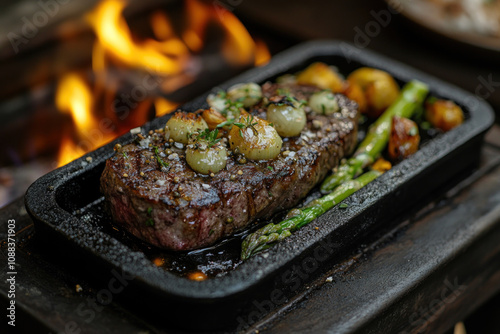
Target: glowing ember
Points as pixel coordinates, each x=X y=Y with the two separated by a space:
x=169 y=62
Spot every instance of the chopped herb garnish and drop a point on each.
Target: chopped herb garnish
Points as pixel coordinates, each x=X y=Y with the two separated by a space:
x=211 y=232
x=240 y=125
x=222 y=94
x=233 y=106
x=343 y=205
x=290 y=98
x=149 y=211
x=248 y=122
x=281 y=91
x=231 y=122
x=158 y=158
x=226 y=123
x=125 y=155
x=270 y=168
x=431 y=100
x=150 y=222
x=230 y=106
x=209 y=136
x=270 y=194
x=425 y=125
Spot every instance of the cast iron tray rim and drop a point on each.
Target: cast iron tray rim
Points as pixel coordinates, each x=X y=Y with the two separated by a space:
x=151 y=276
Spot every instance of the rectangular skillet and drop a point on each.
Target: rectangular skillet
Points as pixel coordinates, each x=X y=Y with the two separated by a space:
x=55 y=200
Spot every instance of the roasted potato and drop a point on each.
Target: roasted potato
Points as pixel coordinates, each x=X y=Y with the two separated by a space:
x=443 y=114
x=355 y=93
x=379 y=88
x=322 y=76
x=404 y=139
x=212 y=117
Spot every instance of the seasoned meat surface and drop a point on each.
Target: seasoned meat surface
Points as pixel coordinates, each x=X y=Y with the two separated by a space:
x=176 y=208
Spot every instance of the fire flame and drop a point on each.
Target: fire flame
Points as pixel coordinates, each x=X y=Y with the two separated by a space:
x=169 y=56
x=115 y=38
x=74 y=97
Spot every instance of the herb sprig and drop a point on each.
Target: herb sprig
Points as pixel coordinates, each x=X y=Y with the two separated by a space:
x=159 y=159
x=233 y=106
x=208 y=136
x=230 y=106
x=248 y=122
x=288 y=99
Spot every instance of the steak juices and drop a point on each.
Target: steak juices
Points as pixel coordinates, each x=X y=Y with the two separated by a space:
x=158 y=191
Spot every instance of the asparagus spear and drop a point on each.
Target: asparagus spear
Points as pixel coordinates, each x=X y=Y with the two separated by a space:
x=411 y=97
x=268 y=235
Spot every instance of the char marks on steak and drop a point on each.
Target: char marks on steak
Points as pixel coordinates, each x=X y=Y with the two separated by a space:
x=176 y=208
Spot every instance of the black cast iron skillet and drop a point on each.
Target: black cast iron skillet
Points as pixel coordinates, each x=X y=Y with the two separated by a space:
x=58 y=201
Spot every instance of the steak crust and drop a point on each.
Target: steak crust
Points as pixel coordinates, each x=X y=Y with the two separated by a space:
x=176 y=208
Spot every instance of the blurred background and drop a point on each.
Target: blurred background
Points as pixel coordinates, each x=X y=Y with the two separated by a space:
x=77 y=74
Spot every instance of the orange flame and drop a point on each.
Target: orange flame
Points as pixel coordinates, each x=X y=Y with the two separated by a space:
x=164 y=106
x=262 y=54
x=74 y=97
x=115 y=37
x=170 y=56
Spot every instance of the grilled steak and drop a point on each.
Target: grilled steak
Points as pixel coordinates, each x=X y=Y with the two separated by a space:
x=176 y=208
